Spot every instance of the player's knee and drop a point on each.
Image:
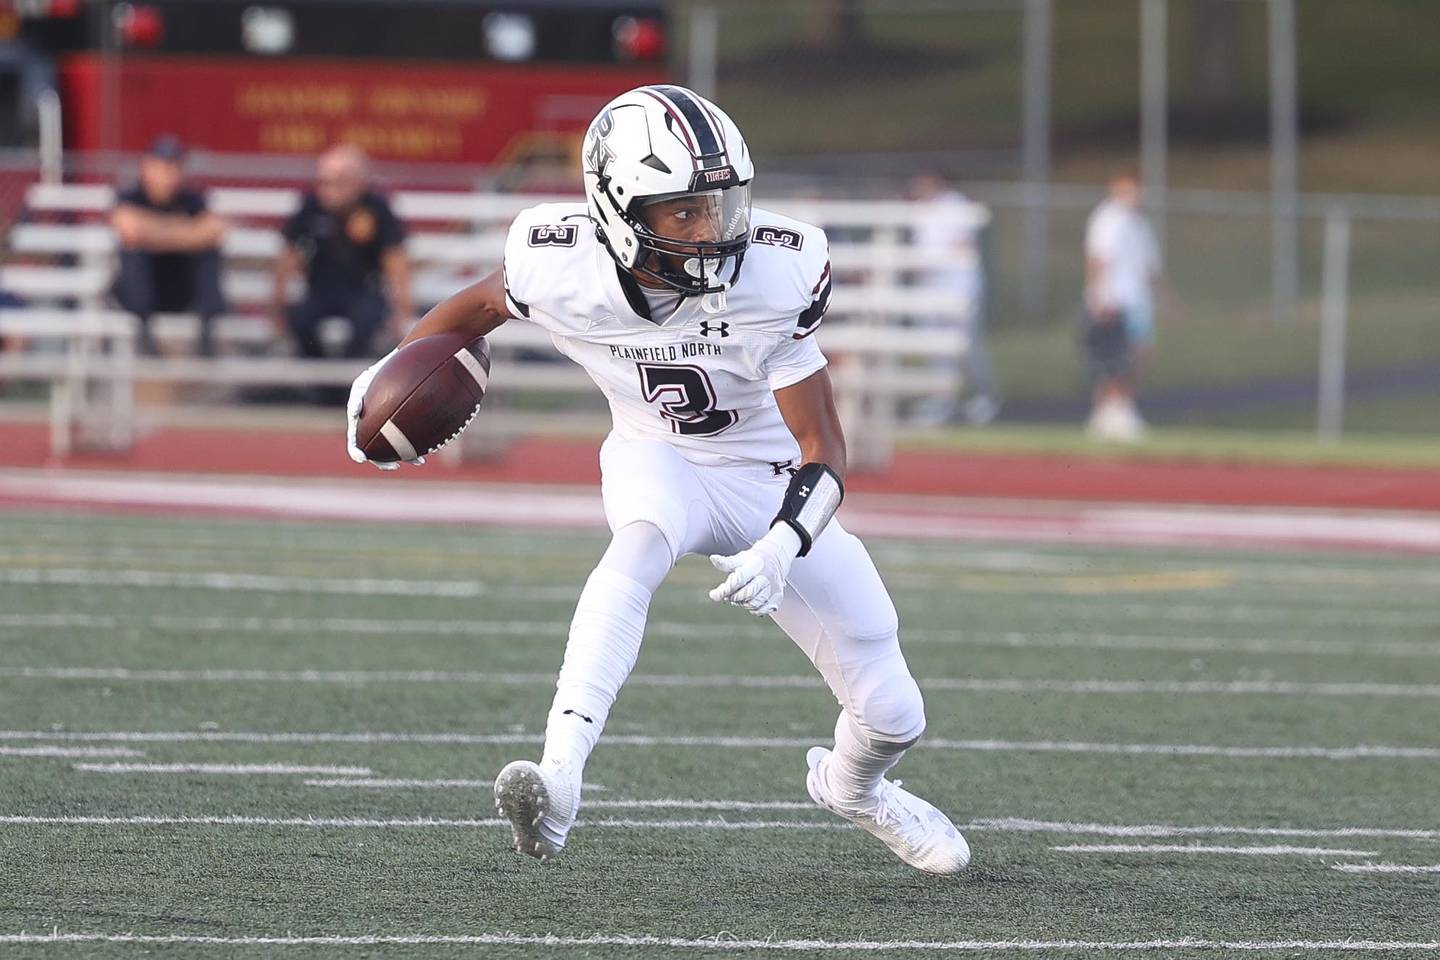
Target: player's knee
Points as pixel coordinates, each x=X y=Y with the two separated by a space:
x=641 y=551
x=642 y=535
x=893 y=710
x=878 y=623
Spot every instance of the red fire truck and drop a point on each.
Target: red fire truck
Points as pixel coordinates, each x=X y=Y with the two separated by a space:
x=410 y=80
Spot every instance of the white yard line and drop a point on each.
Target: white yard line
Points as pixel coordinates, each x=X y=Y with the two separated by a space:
x=357 y=625
x=725 y=942
x=394 y=783
x=1285 y=614
x=1202 y=848
x=1159 y=830
x=412 y=822
x=507 y=679
x=1386 y=867
x=564 y=595
x=202 y=536
x=362 y=783
x=766 y=633
x=240 y=769
x=1075 y=561
x=1000 y=825
x=359 y=823
x=58 y=621
x=480 y=629
x=1359 y=752
x=268 y=583
x=672 y=803
x=1188 y=750
x=69 y=752
x=1164 y=644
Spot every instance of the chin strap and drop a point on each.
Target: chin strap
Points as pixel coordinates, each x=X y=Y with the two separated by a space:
x=714 y=302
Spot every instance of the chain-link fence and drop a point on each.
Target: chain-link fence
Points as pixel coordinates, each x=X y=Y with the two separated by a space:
x=1222 y=359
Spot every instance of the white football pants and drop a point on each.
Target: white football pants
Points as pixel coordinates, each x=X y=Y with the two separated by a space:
x=836 y=608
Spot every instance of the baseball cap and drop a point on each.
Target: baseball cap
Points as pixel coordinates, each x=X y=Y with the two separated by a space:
x=167 y=146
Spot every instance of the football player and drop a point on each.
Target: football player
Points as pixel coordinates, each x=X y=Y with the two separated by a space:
x=695 y=315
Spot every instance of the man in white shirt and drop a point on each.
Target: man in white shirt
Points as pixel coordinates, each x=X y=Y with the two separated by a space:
x=943 y=233
x=1122 y=269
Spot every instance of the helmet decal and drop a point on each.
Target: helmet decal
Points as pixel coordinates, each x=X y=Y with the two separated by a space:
x=597 y=158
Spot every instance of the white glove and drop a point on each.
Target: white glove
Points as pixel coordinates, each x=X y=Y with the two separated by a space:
x=353 y=408
x=756 y=578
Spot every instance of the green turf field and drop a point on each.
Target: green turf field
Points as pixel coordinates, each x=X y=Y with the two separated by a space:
x=1184 y=444
x=1074 y=695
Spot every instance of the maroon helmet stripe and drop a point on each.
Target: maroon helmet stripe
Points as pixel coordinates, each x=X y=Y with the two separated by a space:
x=700 y=124
x=679 y=121
x=715 y=122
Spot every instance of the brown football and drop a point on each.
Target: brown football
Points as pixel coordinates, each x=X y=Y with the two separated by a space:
x=423 y=397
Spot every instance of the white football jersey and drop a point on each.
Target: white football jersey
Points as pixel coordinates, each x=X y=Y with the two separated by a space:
x=702 y=382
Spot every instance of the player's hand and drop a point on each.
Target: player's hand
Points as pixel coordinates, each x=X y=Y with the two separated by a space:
x=756 y=578
x=353 y=408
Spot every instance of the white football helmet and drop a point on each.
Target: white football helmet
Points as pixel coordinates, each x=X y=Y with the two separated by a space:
x=664 y=143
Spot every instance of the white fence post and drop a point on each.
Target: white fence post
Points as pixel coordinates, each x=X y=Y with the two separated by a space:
x=1334 y=318
x=704 y=46
x=52 y=146
x=1037 y=52
x=1284 y=160
x=122 y=388
x=1154 y=107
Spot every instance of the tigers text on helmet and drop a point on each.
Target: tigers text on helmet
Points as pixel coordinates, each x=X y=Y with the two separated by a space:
x=667 y=181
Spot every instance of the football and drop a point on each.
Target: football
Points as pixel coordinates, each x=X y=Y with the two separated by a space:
x=423 y=397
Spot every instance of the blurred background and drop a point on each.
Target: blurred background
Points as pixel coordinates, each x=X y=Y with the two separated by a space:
x=1135 y=331
x=955 y=149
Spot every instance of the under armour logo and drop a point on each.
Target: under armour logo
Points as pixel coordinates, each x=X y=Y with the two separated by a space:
x=803 y=492
x=721 y=327
x=577 y=713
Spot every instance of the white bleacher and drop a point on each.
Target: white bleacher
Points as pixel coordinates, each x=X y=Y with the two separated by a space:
x=454 y=238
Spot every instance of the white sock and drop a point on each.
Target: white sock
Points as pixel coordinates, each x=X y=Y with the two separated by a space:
x=858 y=763
x=605 y=636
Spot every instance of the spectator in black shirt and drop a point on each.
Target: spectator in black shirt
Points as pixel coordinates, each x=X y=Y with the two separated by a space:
x=169 y=246
x=352 y=247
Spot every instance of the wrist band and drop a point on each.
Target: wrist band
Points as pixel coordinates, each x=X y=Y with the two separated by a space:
x=812 y=498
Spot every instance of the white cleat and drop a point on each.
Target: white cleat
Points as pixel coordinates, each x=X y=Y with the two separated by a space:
x=541 y=803
x=913 y=829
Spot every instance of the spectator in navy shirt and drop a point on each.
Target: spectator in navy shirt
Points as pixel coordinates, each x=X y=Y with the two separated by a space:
x=351 y=246
x=169 y=246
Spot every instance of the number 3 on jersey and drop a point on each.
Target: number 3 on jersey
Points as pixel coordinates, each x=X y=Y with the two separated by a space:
x=686 y=397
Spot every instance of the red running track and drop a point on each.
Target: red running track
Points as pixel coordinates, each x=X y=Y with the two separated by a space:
x=574 y=462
